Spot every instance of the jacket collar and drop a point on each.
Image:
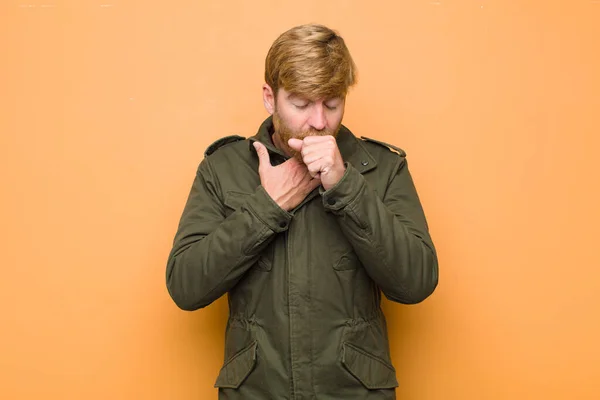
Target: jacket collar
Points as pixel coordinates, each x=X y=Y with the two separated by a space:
x=351 y=148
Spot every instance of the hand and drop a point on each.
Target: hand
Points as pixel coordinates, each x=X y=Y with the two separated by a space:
x=288 y=183
x=322 y=158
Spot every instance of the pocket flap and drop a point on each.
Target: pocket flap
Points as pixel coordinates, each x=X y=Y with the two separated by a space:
x=371 y=371
x=347 y=262
x=237 y=368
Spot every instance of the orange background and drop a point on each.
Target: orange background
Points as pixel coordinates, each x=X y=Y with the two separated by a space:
x=107 y=107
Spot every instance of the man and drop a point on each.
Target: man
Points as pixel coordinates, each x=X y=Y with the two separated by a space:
x=304 y=226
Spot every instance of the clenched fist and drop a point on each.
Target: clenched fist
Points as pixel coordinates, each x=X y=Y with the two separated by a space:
x=322 y=157
x=288 y=183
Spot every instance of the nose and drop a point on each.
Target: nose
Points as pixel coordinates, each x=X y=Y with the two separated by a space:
x=317 y=117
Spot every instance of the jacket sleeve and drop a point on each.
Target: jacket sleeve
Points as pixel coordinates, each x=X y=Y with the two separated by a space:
x=389 y=235
x=212 y=251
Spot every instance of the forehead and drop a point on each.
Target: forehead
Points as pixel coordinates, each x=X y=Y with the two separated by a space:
x=284 y=94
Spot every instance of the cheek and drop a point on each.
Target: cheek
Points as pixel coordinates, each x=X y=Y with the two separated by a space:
x=334 y=120
x=296 y=121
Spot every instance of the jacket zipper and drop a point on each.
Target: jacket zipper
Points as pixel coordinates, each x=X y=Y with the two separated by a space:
x=288 y=267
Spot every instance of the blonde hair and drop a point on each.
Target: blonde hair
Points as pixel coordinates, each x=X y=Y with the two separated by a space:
x=312 y=61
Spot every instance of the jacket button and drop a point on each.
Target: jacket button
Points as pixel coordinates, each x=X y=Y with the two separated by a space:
x=365 y=163
x=331 y=202
x=282 y=224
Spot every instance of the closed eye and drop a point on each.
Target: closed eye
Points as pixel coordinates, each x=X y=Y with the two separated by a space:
x=332 y=104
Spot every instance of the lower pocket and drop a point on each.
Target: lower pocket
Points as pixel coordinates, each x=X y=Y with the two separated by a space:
x=373 y=372
x=237 y=368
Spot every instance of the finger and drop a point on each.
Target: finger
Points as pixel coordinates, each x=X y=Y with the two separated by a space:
x=317 y=156
x=322 y=145
x=314 y=171
x=264 y=160
x=320 y=165
x=319 y=139
x=313 y=184
x=295 y=144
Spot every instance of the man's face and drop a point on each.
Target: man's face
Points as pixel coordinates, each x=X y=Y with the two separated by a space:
x=298 y=117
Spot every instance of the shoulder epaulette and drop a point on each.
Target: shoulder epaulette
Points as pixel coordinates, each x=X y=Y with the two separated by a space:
x=222 y=142
x=389 y=146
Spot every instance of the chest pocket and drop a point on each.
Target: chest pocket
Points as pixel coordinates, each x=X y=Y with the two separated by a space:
x=234 y=201
x=346 y=262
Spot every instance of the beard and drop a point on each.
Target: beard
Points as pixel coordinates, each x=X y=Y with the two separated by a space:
x=285 y=133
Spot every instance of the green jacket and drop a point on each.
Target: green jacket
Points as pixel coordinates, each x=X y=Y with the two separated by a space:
x=304 y=287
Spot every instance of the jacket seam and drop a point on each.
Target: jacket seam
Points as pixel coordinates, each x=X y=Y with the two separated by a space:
x=367 y=321
x=237 y=262
x=367 y=229
x=213 y=181
x=399 y=165
x=353 y=199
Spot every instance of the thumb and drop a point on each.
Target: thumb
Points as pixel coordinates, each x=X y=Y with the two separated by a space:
x=263 y=155
x=296 y=144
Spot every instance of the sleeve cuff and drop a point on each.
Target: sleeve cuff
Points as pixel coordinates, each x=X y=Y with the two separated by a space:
x=346 y=190
x=264 y=208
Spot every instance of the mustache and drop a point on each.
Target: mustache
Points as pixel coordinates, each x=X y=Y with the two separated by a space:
x=314 y=132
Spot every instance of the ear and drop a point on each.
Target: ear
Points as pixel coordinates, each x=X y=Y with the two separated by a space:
x=268 y=98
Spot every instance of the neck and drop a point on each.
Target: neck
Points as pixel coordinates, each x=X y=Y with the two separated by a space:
x=279 y=144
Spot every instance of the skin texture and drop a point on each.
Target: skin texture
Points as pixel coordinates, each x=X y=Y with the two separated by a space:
x=305 y=130
x=288 y=183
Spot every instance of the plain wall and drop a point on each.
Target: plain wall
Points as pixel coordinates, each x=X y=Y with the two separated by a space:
x=107 y=107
